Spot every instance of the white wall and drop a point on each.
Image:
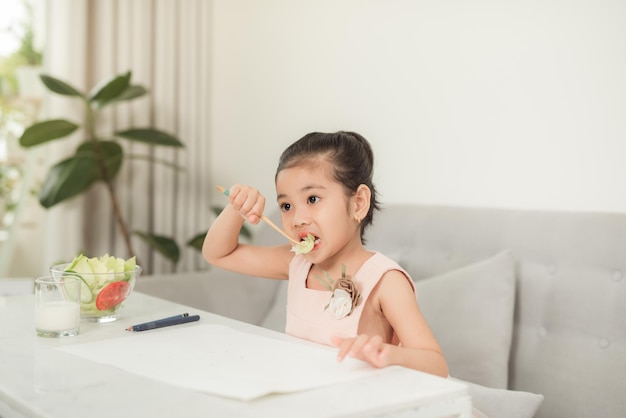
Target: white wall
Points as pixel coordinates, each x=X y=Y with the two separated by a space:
x=515 y=103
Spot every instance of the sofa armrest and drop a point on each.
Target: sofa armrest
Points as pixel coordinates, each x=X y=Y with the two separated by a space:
x=222 y=292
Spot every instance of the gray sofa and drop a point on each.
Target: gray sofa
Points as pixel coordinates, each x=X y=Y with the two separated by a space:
x=529 y=307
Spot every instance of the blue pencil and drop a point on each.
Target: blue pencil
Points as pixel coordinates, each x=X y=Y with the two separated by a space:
x=165 y=322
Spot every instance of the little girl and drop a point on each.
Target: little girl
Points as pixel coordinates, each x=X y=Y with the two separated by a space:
x=339 y=292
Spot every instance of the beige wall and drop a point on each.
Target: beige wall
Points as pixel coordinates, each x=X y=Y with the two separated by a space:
x=482 y=103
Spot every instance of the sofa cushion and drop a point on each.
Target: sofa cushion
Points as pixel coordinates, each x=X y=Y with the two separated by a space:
x=277 y=314
x=502 y=403
x=470 y=311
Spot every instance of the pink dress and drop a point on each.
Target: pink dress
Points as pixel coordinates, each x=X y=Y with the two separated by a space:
x=306 y=316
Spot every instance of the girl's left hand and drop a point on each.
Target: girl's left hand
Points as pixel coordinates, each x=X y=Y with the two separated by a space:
x=370 y=349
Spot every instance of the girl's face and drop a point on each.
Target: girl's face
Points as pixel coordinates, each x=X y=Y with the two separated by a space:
x=312 y=202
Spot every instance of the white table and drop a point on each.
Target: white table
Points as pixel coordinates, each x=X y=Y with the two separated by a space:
x=36 y=380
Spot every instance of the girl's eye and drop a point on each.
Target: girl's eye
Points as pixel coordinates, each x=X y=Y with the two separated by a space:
x=285 y=207
x=313 y=199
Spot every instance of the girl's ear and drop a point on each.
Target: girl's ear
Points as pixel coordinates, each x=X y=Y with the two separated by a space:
x=361 y=202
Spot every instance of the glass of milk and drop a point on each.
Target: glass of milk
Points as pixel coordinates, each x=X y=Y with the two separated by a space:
x=57 y=306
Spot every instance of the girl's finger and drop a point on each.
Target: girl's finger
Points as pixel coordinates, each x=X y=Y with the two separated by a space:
x=344 y=345
x=358 y=344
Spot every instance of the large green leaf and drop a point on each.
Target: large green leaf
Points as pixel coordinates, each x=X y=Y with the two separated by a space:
x=59 y=86
x=109 y=90
x=45 y=131
x=164 y=245
x=67 y=179
x=197 y=241
x=132 y=92
x=150 y=136
x=111 y=152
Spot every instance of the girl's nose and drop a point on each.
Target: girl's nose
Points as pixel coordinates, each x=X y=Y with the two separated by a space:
x=300 y=218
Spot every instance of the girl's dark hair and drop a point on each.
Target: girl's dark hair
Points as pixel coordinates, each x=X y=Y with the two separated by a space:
x=351 y=158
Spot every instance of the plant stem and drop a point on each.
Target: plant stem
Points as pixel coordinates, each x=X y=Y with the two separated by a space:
x=117 y=213
x=116 y=208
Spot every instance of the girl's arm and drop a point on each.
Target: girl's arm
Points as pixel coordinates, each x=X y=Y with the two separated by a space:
x=418 y=347
x=222 y=248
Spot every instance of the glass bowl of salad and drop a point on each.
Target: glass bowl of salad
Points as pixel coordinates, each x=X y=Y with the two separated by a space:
x=106 y=282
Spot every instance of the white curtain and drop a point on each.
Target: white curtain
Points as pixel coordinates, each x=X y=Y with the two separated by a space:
x=167 y=46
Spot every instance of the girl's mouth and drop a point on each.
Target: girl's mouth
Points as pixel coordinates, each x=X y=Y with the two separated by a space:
x=308 y=242
x=313 y=237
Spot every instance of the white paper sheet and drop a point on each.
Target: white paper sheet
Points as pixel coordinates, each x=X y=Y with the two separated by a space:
x=223 y=361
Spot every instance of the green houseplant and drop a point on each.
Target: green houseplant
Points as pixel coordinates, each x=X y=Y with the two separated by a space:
x=98 y=158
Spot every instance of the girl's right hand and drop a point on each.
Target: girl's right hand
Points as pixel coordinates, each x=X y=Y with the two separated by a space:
x=248 y=201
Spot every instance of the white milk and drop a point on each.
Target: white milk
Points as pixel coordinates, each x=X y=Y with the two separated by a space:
x=57 y=316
